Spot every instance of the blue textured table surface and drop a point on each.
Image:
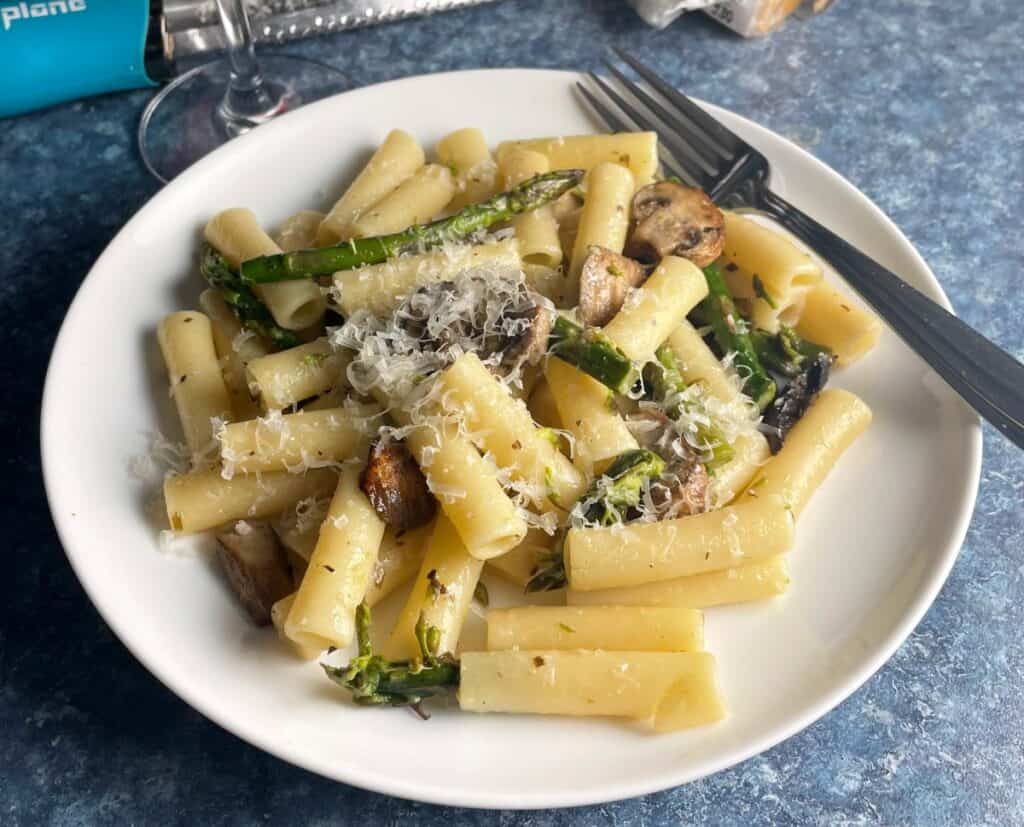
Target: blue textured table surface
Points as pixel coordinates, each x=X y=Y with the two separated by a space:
x=918 y=102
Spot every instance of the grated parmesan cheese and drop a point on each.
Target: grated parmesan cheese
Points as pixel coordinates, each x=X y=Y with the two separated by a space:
x=479 y=311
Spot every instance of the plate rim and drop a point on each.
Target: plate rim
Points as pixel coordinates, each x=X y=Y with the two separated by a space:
x=520 y=800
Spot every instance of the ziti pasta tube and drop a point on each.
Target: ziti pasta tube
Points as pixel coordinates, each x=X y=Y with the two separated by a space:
x=197 y=384
x=441 y=593
x=394 y=161
x=834 y=420
x=299 y=440
x=204 y=499
x=610 y=627
x=743 y=584
x=673 y=690
x=235 y=233
x=339 y=570
x=605 y=558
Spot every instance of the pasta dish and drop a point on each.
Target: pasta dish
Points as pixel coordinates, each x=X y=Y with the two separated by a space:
x=546 y=361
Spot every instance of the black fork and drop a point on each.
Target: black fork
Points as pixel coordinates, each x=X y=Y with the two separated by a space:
x=703 y=152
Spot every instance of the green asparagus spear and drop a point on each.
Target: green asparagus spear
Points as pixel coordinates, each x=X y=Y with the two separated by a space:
x=374 y=680
x=607 y=502
x=593 y=353
x=667 y=387
x=302 y=264
x=662 y=378
x=730 y=332
x=786 y=352
x=251 y=313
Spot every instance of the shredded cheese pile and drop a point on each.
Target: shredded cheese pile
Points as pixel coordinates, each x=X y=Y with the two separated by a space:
x=478 y=311
x=397 y=358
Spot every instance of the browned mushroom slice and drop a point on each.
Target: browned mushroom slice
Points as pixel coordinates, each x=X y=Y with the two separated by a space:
x=396 y=487
x=691 y=492
x=682 y=490
x=651 y=427
x=673 y=220
x=605 y=280
x=255 y=565
x=528 y=345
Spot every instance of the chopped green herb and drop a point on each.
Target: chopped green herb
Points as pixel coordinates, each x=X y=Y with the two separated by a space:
x=550 y=434
x=549 y=484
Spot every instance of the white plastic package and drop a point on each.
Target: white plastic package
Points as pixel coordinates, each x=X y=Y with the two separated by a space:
x=749 y=18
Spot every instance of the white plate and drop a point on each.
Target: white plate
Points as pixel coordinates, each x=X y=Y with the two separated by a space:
x=873 y=548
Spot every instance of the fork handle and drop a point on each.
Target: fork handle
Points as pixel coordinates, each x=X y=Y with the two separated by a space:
x=988 y=378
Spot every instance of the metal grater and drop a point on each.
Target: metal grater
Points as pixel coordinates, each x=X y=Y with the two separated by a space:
x=193 y=29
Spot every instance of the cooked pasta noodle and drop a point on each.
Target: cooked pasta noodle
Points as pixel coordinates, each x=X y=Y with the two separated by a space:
x=587 y=409
x=441 y=592
x=506 y=430
x=468 y=490
x=742 y=584
x=289 y=376
x=466 y=154
x=237 y=235
x=204 y=499
x=836 y=321
x=308 y=439
x=440 y=419
x=415 y=201
x=340 y=569
x=197 y=384
x=653 y=311
x=611 y=627
x=755 y=255
x=638 y=151
x=673 y=690
x=536 y=231
x=235 y=349
x=831 y=424
x=379 y=288
x=397 y=159
x=605 y=558
x=604 y=219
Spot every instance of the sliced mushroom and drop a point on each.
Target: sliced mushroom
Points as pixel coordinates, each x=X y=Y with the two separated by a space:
x=685 y=490
x=605 y=280
x=651 y=427
x=794 y=401
x=396 y=487
x=256 y=567
x=671 y=219
x=530 y=344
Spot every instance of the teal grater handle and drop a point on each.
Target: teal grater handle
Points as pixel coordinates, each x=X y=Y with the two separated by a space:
x=60 y=50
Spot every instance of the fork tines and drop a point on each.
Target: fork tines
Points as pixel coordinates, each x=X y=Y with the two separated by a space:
x=693 y=145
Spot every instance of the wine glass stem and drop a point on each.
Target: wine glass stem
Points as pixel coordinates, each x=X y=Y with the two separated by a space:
x=248 y=100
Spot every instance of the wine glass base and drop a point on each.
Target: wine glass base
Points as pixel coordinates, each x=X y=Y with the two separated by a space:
x=193 y=115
